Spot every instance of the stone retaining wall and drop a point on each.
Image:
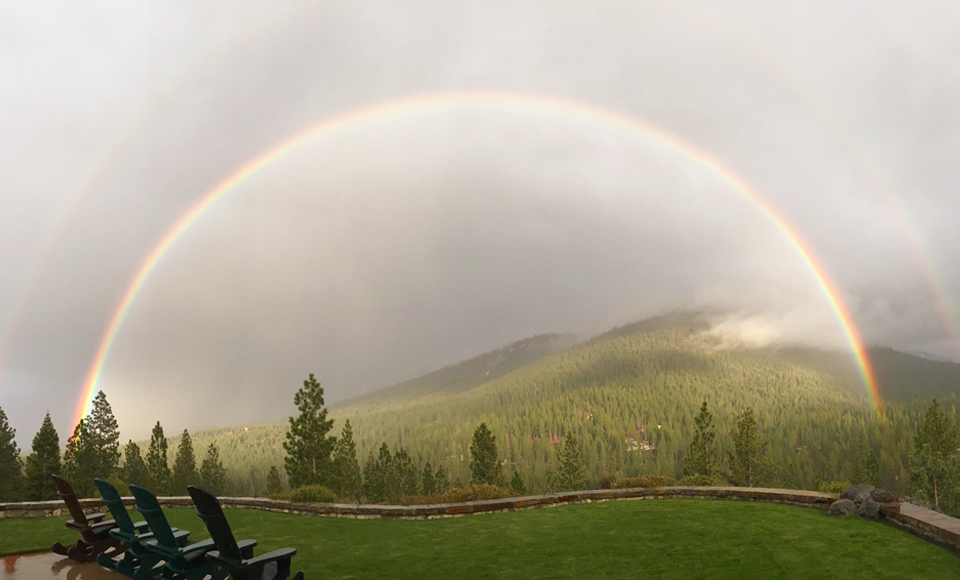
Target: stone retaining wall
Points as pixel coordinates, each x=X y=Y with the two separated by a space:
x=366 y=511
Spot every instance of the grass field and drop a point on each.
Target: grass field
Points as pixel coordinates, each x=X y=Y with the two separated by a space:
x=631 y=539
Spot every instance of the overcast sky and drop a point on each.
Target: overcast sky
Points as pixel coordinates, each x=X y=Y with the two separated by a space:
x=405 y=241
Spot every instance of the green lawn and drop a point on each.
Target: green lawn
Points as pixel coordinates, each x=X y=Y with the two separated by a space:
x=674 y=539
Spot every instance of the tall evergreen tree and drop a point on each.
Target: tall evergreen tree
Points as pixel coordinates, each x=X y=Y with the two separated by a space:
x=427 y=486
x=406 y=475
x=874 y=476
x=441 y=483
x=934 y=464
x=346 y=468
x=377 y=475
x=134 y=467
x=702 y=458
x=213 y=477
x=274 y=485
x=43 y=462
x=570 y=474
x=158 y=470
x=79 y=461
x=11 y=470
x=484 y=461
x=308 y=447
x=517 y=486
x=747 y=465
x=184 y=466
x=104 y=437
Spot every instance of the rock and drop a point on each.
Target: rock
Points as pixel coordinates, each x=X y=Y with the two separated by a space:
x=883 y=496
x=862 y=497
x=869 y=509
x=842 y=507
x=854 y=490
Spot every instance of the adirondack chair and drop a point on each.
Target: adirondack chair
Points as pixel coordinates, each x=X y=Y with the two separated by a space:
x=229 y=554
x=181 y=558
x=130 y=532
x=94 y=530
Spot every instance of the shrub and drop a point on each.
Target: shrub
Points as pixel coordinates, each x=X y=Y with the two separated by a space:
x=473 y=493
x=313 y=494
x=644 y=481
x=700 y=480
x=833 y=486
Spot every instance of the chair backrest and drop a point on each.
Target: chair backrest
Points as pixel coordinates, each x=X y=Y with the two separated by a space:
x=111 y=497
x=209 y=510
x=147 y=504
x=66 y=493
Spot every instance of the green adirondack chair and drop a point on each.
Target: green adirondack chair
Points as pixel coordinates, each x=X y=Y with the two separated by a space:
x=94 y=530
x=273 y=565
x=133 y=533
x=181 y=560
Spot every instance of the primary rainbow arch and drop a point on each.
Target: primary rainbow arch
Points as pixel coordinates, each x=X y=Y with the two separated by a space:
x=489 y=100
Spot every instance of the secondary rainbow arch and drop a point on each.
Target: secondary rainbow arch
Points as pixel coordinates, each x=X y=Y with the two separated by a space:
x=490 y=100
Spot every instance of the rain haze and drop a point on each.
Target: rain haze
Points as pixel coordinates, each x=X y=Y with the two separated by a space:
x=473 y=174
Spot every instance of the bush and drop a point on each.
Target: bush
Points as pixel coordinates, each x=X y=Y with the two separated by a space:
x=833 y=486
x=644 y=481
x=313 y=494
x=472 y=493
x=700 y=480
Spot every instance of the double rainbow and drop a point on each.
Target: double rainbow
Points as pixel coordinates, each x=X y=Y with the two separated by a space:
x=514 y=102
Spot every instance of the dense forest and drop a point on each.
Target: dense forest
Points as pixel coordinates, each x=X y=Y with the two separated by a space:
x=629 y=398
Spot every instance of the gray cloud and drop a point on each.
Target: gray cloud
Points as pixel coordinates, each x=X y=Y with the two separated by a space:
x=392 y=247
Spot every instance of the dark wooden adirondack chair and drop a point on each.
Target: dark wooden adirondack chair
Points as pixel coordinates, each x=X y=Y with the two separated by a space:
x=130 y=532
x=229 y=554
x=94 y=531
x=181 y=558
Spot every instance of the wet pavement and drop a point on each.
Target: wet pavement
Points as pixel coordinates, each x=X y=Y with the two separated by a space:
x=50 y=565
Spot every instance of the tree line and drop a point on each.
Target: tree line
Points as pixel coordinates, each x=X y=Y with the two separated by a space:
x=93 y=451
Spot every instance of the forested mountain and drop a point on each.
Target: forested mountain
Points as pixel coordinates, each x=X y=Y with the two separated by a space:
x=630 y=396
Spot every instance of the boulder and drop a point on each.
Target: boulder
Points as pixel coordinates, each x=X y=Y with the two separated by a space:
x=863 y=496
x=842 y=507
x=854 y=490
x=869 y=509
x=883 y=496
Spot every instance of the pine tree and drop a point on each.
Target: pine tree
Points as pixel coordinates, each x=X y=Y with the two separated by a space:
x=346 y=468
x=570 y=474
x=441 y=484
x=43 y=462
x=376 y=475
x=702 y=457
x=484 y=462
x=308 y=447
x=747 y=465
x=934 y=465
x=158 y=470
x=134 y=468
x=104 y=436
x=427 y=486
x=874 y=477
x=11 y=469
x=274 y=486
x=407 y=475
x=213 y=477
x=79 y=461
x=185 y=466
x=517 y=486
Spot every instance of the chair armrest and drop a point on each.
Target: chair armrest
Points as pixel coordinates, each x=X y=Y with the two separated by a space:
x=279 y=554
x=201 y=545
x=246 y=548
x=94 y=518
x=142 y=526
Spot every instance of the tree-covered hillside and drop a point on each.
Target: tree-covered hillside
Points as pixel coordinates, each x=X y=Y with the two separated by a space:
x=629 y=396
